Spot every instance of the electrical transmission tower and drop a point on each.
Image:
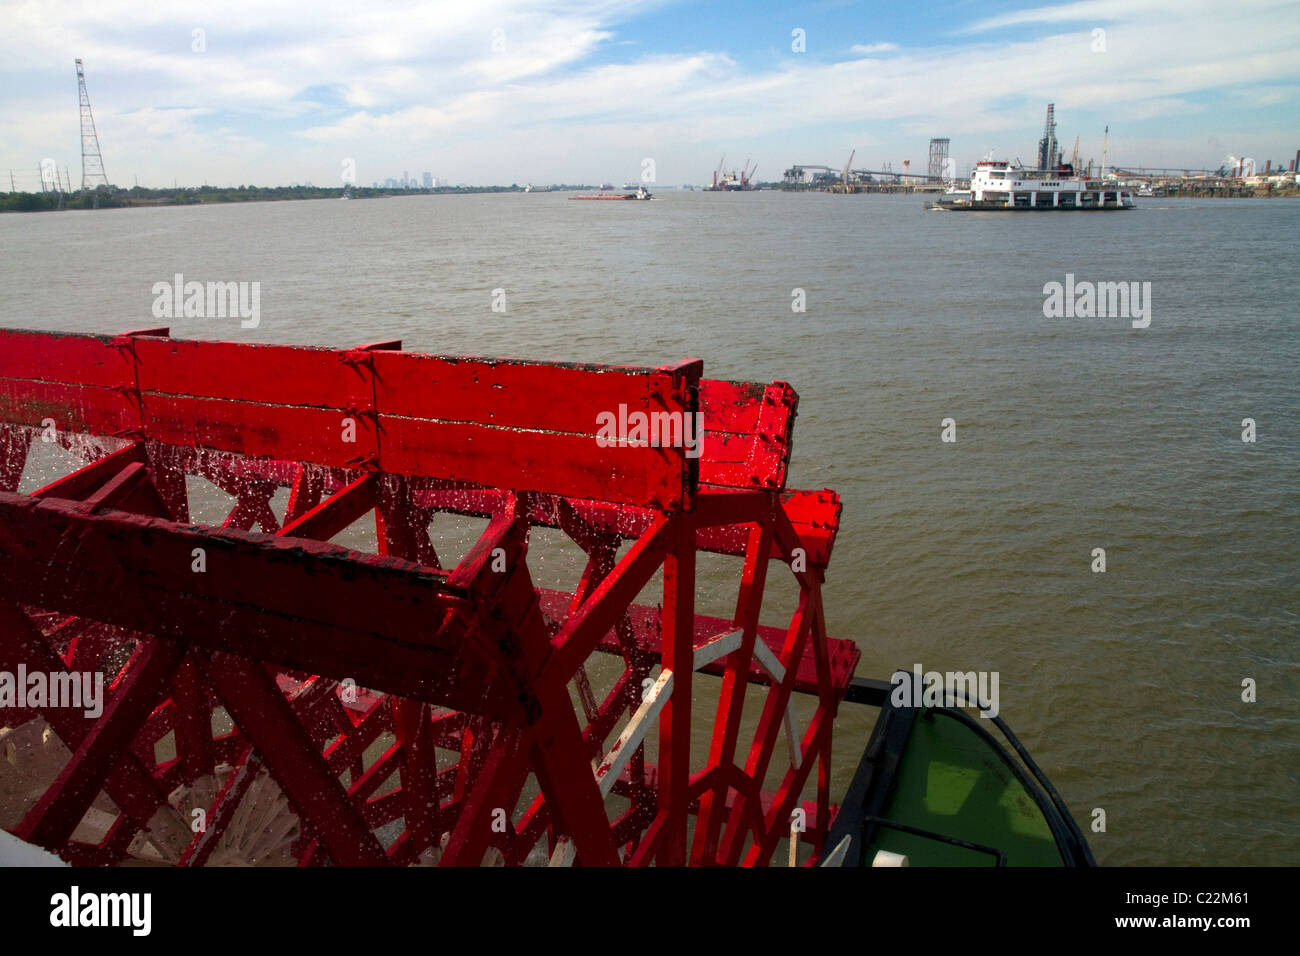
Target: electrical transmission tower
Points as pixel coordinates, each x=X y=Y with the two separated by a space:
x=938 y=159
x=92 y=162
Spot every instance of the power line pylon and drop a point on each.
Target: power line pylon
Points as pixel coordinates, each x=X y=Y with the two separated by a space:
x=92 y=162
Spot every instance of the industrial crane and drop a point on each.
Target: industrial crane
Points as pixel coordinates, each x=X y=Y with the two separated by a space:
x=844 y=174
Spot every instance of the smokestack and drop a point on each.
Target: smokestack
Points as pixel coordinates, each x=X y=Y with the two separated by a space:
x=1296 y=163
x=1268 y=166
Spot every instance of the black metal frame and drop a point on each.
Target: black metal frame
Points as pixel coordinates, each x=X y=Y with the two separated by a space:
x=869 y=822
x=874 y=781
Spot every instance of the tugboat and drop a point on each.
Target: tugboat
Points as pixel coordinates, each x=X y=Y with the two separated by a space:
x=996 y=185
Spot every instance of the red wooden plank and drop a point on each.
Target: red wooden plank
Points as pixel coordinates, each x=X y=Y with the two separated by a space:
x=248 y=372
x=492 y=422
x=815 y=516
x=94 y=409
x=285 y=432
x=66 y=357
x=748 y=434
x=730 y=406
x=537 y=461
x=513 y=394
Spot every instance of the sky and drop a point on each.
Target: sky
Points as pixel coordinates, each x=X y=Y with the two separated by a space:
x=499 y=92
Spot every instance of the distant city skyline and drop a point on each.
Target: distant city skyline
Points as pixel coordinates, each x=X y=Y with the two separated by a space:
x=504 y=92
x=426 y=181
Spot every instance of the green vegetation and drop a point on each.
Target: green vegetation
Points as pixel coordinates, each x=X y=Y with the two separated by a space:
x=49 y=202
x=106 y=198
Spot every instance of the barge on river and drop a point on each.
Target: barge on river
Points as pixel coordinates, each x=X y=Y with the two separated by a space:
x=641 y=193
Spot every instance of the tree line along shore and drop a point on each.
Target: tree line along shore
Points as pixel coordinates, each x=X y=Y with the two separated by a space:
x=105 y=198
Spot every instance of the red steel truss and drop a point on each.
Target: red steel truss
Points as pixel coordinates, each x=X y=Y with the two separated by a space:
x=407 y=711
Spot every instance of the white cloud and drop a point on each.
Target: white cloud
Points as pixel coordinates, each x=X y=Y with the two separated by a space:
x=421 y=84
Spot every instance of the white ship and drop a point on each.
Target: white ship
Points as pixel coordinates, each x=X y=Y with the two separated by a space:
x=997 y=185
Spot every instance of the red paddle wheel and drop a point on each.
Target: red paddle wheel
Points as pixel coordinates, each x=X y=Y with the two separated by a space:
x=272 y=698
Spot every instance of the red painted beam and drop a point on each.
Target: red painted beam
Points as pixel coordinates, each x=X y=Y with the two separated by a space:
x=261 y=712
x=678 y=655
x=50 y=823
x=300 y=604
x=82 y=482
x=14 y=443
x=129 y=784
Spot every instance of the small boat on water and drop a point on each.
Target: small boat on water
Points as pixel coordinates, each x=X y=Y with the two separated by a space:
x=641 y=193
x=996 y=185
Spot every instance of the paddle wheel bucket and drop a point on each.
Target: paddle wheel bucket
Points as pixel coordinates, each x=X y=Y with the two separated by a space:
x=244 y=691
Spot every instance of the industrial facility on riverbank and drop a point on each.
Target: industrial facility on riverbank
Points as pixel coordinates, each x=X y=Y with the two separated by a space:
x=1235 y=179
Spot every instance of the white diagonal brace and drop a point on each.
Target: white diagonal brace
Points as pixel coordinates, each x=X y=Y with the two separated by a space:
x=768 y=661
x=613 y=763
x=565 y=852
x=716 y=647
